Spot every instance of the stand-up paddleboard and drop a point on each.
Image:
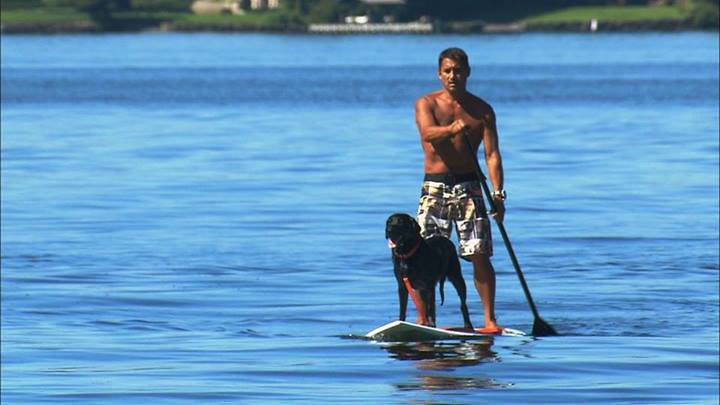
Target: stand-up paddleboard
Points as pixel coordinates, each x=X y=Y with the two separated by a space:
x=401 y=331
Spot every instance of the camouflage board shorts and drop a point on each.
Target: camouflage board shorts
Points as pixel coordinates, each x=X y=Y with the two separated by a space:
x=455 y=199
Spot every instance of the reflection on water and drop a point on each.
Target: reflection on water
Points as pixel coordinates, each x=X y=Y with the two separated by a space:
x=446 y=356
x=450 y=382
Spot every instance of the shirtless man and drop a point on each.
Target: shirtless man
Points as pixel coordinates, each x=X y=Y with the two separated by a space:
x=451 y=192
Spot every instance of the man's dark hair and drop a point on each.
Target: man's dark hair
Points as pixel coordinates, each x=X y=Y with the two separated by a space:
x=456 y=54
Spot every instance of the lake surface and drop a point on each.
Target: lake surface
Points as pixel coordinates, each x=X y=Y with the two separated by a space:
x=200 y=219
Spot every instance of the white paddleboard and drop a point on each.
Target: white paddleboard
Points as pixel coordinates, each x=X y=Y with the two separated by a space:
x=401 y=331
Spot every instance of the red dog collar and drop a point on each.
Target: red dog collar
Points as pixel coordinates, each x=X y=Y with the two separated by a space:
x=408 y=254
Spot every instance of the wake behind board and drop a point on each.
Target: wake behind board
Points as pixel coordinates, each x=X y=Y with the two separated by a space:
x=401 y=331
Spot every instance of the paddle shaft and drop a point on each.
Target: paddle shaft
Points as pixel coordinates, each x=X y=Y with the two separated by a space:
x=501 y=227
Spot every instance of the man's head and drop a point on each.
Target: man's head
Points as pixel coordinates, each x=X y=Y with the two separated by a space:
x=453 y=69
x=456 y=54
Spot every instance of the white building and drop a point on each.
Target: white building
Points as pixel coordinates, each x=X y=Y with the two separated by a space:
x=264 y=4
x=217 y=7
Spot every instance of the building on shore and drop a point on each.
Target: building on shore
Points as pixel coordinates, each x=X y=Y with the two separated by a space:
x=379 y=14
x=234 y=7
x=373 y=28
x=207 y=7
x=264 y=4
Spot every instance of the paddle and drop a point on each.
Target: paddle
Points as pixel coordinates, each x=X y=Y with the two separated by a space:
x=540 y=327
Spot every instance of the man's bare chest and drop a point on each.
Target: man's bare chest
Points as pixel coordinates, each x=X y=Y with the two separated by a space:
x=447 y=114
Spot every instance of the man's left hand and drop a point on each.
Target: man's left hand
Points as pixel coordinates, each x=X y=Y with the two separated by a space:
x=499 y=213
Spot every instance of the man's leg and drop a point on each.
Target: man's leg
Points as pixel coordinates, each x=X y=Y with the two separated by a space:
x=476 y=245
x=484 y=280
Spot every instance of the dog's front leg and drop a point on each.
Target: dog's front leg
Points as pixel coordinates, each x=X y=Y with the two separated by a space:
x=403 y=300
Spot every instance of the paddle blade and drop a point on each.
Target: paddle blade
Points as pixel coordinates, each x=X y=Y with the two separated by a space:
x=542 y=328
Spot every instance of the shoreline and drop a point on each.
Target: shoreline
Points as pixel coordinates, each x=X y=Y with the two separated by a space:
x=90 y=27
x=22 y=17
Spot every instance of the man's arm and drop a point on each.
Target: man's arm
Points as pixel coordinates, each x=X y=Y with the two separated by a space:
x=493 y=159
x=429 y=130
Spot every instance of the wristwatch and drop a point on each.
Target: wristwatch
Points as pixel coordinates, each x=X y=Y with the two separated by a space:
x=499 y=195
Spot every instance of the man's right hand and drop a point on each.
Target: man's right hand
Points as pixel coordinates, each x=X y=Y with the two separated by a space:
x=457 y=127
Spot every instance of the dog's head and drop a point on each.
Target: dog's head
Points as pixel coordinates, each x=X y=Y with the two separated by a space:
x=402 y=232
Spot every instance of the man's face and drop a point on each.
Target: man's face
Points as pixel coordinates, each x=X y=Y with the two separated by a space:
x=453 y=75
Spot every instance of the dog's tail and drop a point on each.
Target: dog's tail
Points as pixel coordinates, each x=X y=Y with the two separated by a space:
x=442 y=290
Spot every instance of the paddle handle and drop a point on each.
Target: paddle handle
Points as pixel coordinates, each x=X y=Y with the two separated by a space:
x=501 y=227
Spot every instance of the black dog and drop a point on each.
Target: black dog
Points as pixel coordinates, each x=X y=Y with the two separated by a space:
x=421 y=264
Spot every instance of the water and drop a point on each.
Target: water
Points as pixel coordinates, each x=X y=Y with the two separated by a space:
x=199 y=218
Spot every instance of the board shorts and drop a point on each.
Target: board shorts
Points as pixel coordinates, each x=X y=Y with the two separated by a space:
x=446 y=199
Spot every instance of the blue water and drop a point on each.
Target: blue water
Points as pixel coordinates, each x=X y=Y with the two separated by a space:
x=199 y=219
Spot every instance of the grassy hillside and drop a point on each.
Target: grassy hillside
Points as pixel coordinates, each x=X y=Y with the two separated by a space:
x=44 y=15
x=691 y=14
x=610 y=13
x=124 y=15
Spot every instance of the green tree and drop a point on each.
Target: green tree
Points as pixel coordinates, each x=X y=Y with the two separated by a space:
x=705 y=14
x=323 y=11
x=98 y=9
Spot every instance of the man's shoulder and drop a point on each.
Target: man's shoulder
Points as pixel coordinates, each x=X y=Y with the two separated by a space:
x=479 y=101
x=430 y=98
x=480 y=105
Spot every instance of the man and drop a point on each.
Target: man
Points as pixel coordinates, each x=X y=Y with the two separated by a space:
x=451 y=192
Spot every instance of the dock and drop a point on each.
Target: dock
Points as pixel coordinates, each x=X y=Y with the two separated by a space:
x=373 y=28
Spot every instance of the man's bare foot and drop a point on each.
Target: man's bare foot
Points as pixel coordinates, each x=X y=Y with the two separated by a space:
x=490 y=327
